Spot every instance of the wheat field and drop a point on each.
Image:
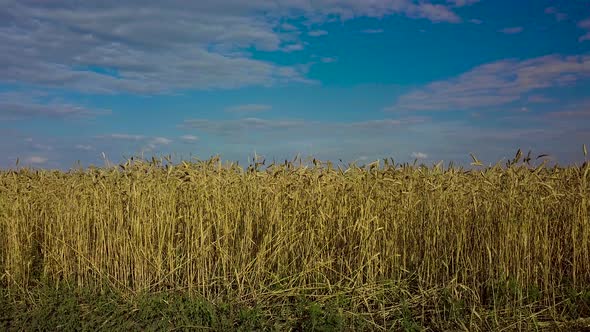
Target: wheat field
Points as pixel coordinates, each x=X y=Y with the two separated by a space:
x=496 y=247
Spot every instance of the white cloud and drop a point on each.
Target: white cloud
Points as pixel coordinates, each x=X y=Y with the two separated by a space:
x=317 y=33
x=36 y=160
x=577 y=109
x=40 y=147
x=496 y=83
x=293 y=47
x=124 y=137
x=145 y=143
x=569 y=114
x=328 y=59
x=189 y=138
x=161 y=141
x=435 y=13
x=288 y=27
x=152 y=47
x=383 y=124
x=249 y=108
x=585 y=24
x=84 y=147
x=462 y=3
x=229 y=127
x=539 y=99
x=558 y=15
x=234 y=128
x=372 y=31
x=155 y=143
x=511 y=30
x=475 y=21
x=419 y=155
x=16 y=105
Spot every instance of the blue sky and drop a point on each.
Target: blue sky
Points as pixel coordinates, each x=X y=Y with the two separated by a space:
x=332 y=79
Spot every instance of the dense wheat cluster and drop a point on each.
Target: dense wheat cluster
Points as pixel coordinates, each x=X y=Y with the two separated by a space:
x=440 y=238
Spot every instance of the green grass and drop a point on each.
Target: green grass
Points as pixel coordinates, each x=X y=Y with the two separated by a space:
x=69 y=308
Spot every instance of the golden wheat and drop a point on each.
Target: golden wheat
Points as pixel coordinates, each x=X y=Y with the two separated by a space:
x=217 y=230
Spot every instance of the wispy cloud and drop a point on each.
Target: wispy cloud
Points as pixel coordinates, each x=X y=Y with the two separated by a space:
x=419 y=155
x=511 y=30
x=17 y=105
x=325 y=139
x=372 y=31
x=249 y=108
x=569 y=114
x=34 y=145
x=155 y=143
x=36 y=160
x=161 y=141
x=317 y=33
x=559 y=16
x=328 y=59
x=475 y=21
x=585 y=24
x=140 y=143
x=462 y=3
x=539 y=99
x=226 y=127
x=288 y=27
x=151 y=47
x=189 y=138
x=578 y=109
x=383 y=124
x=496 y=83
x=124 y=137
x=435 y=13
x=256 y=125
x=84 y=147
x=293 y=47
